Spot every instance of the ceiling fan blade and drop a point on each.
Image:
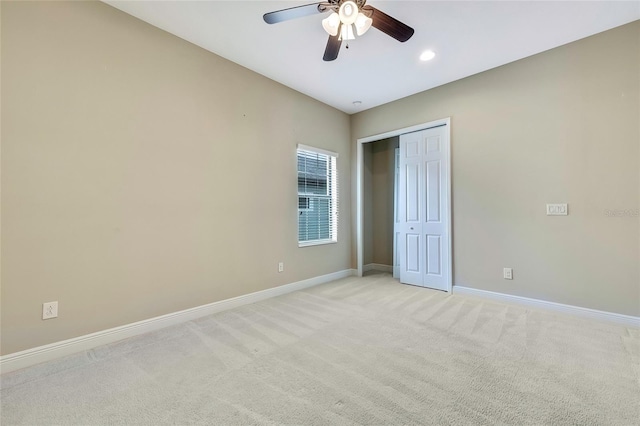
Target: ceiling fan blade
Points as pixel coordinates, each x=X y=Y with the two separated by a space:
x=388 y=25
x=293 y=13
x=333 y=48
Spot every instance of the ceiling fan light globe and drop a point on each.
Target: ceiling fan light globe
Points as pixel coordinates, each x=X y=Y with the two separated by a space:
x=346 y=33
x=348 y=12
x=363 y=23
x=331 y=24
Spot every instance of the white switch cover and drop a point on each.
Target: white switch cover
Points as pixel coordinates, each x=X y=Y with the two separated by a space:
x=49 y=310
x=281 y=267
x=557 y=209
x=507 y=273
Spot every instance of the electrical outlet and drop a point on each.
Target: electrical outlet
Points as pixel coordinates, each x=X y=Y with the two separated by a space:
x=507 y=273
x=281 y=267
x=49 y=310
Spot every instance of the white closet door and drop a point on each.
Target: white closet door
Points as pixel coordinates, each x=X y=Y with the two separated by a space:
x=410 y=210
x=424 y=211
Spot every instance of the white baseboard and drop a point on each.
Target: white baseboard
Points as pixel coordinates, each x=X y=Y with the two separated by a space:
x=29 y=357
x=377 y=267
x=627 y=320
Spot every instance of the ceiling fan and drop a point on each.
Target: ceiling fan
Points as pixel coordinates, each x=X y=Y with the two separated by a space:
x=345 y=15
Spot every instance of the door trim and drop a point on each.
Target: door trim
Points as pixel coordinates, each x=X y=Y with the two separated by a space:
x=360 y=182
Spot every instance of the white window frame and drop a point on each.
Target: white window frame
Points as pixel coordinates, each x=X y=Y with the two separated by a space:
x=332 y=187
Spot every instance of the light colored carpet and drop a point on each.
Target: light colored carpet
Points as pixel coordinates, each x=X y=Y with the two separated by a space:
x=356 y=351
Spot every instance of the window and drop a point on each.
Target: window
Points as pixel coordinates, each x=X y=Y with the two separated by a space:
x=317 y=196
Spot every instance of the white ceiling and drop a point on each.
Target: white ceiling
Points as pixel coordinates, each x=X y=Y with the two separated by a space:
x=468 y=37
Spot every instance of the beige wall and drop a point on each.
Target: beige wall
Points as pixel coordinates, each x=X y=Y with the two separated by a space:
x=383 y=183
x=367 y=204
x=378 y=175
x=142 y=175
x=561 y=126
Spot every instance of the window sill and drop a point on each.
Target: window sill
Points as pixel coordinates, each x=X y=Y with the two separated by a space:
x=315 y=243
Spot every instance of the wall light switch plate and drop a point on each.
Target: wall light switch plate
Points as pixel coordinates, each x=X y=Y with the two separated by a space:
x=507 y=273
x=557 y=209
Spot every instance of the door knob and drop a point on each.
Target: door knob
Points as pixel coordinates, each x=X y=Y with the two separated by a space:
x=412 y=229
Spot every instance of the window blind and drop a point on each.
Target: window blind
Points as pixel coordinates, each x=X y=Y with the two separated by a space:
x=317 y=196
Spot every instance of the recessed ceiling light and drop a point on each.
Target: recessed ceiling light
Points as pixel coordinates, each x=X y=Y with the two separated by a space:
x=357 y=103
x=427 y=55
